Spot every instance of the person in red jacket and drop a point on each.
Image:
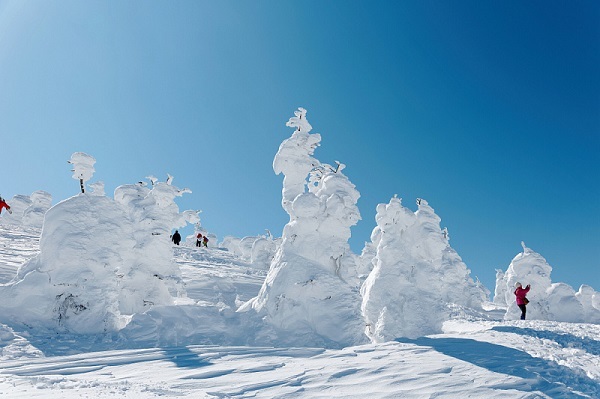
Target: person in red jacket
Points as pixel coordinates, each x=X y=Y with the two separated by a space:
x=522 y=302
x=3 y=204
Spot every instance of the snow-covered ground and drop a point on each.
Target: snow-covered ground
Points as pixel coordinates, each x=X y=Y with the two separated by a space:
x=478 y=355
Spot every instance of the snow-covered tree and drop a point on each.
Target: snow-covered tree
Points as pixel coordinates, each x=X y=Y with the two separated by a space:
x=28 y=210
x=305 y=297
x=83 y=168
x=548 y=301
x=416 y=275
x=500 y=290
x=152 y=277
x=100 y=261
x=590 y=300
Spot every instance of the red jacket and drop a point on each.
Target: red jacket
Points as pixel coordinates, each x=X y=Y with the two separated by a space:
x=3 y=205
x=520 y=293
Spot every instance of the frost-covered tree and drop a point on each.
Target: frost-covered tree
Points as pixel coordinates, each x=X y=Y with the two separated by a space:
x=306 y=298
x=28 y=210
x=548 y=301
x=98 y=188
x=18 y=204
x=500 y=290
x=83 y=168
x=151 y=277
x=590 y=299
x=416 y=275
x=101 y=260
x=259 y=251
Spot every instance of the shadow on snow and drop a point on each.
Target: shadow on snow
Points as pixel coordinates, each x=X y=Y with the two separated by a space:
x=544 y=376
x=565 y=340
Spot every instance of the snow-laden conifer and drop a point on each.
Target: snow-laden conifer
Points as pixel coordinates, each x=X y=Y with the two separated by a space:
x=101 y=260
x=83 y=167
x=416 y=275
x=306 y=297
x=548 y=300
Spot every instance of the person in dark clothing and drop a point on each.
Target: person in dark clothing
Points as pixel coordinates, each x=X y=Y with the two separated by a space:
x=205 y=240
x=199 y=240
x=522 y=302
x=176 y=238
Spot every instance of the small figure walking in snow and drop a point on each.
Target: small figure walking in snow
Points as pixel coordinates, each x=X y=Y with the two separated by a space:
x=176 y=237
x=205 y=240
x=199 y=240
x=522 y=301
x=3 y=204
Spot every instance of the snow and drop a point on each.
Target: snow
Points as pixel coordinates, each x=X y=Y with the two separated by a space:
x=416 y=275
x=469 y=358
x=28 y=210
x=309 y=296
x=549 y=301
x=95 y=301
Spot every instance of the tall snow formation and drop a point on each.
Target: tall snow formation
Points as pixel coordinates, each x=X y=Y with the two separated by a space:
x=100 y=261
x=306 y=297
x=83 y=167
x=416 y=275
x=548 y=301
x=500 y=291
x=28 y=211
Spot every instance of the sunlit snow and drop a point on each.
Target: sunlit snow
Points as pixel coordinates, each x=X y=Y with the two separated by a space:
x=96 y=301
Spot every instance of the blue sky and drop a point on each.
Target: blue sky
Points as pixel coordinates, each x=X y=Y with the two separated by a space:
x=489 y=110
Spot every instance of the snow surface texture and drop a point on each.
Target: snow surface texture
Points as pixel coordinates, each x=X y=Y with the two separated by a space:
x=161 y=353
x=548 y=301
x=417 y=275
x=310 y=296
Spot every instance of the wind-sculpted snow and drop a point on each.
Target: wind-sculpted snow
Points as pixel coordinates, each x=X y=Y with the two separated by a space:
x=26 y=210
x=83 y=167
x=258 y=250
x=100 y=261
x=199 y=347
x=310 y=295
x=548 y=301
x=416 y=275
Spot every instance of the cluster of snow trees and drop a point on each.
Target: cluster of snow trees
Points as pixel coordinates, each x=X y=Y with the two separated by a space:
x=101 y=260
x=104 y=260
x=28 y=210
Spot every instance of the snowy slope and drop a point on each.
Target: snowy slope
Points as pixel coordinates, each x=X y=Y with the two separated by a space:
x=162 y=353
x=17 y=246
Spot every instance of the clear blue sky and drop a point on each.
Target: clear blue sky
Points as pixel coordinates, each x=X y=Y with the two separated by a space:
x=490 y=110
